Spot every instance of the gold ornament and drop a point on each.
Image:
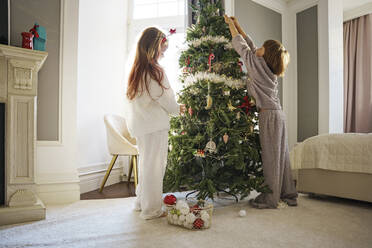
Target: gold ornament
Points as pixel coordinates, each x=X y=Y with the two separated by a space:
x=238 y=116
x=209 y=102
x=230 y=106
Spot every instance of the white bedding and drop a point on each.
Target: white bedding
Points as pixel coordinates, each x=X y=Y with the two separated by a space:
x=341 y=152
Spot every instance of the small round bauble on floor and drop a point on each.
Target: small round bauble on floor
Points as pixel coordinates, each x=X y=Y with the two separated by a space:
x=242 y=213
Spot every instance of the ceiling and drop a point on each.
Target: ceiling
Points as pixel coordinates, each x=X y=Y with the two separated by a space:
x=348 y=4
x=352 y=4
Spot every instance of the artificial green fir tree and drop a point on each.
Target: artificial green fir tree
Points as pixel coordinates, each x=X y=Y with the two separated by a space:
x=214 y=147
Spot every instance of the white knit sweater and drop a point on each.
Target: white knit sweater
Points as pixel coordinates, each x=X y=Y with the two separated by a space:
x=150 y=113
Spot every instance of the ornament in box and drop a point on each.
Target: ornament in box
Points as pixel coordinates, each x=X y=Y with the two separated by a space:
x=198 y=216
x=40 y=37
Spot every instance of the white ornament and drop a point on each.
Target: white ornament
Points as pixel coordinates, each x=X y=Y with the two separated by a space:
x=185 y=224
x=203 y=212
x=175 y=217
x=204 y=216
x=181 y=204
x=184 y=211
x=190 y=218
x=180 y=223
x=242 y=213
x=210 y=147
x=206 y=223
x=182 y=217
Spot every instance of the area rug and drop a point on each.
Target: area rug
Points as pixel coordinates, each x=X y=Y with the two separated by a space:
x=315 y=222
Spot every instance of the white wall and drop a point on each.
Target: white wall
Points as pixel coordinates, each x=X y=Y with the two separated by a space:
x=56 y=174
x=101 y=63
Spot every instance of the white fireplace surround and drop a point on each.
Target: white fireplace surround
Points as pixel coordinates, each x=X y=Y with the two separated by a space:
x=18 y=90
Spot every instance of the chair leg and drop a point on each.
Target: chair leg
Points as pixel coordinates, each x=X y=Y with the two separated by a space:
x=135 y=171
x=113 y=160
x=130 y=168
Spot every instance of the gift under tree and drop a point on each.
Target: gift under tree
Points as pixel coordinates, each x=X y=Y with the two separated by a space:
x=214 y=147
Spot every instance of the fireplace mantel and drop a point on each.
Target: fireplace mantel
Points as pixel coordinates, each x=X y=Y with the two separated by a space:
x=18 y=90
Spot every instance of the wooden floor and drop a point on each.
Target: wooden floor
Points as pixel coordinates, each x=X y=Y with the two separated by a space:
x=118 y=190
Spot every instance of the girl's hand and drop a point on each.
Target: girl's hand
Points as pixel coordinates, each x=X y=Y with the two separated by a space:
x=182 y=108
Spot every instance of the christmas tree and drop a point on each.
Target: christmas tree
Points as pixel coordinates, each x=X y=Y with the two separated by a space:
x=214 y=147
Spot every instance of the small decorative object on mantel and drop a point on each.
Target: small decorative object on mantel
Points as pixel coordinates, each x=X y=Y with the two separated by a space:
x=39 y=37
x=191 y=215
x=27 y=40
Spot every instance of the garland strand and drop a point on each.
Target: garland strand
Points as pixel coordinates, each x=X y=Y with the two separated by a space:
x=213 y=39
x=214 y=78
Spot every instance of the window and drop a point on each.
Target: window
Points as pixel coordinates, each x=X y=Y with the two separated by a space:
x=144 y=9
x=164 y=14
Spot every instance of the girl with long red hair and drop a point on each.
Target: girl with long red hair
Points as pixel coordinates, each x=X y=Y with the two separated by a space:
x=151 y=101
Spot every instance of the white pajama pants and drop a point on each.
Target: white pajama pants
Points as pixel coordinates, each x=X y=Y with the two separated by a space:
x=153 y=152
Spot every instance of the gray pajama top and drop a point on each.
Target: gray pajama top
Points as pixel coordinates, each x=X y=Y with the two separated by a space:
x=263 y=85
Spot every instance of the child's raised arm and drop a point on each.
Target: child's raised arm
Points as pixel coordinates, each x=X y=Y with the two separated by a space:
x=234 y=32
x=245 y=36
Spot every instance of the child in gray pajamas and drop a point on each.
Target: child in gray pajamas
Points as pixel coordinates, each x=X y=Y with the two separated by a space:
x=264 y=65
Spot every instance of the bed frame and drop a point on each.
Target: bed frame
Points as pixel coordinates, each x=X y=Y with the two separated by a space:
x=357 y=186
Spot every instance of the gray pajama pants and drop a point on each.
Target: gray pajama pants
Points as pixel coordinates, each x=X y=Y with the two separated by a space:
x=275 y=159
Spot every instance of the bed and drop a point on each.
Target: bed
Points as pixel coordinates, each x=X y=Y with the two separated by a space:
x=334 y=164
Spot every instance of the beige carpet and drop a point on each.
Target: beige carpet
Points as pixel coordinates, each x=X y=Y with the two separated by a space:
x=316 y=222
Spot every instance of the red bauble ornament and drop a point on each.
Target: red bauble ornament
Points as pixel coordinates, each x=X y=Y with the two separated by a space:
x=198 y=223
x=194 y=208
x=170 y=199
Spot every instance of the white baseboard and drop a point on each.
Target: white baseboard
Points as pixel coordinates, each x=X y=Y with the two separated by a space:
x=58 y=193
x=91 y=176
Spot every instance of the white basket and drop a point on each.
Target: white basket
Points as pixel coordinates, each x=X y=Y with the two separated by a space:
x=194 y=219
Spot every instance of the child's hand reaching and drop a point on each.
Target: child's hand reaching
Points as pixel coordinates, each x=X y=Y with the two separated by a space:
x=234 y=32
x=228 y=20
x=237 y=25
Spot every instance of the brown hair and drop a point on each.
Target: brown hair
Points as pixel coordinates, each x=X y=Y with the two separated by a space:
x=276 y=57
x=145 y=63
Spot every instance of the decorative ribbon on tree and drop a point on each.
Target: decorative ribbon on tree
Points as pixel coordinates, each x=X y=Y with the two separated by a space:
x=187 y=68
x=241 y=65
x=245 y=105
x=34 y=32
x=210 y=58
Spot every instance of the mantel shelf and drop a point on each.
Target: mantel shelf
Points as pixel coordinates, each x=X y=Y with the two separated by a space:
x=23 y=53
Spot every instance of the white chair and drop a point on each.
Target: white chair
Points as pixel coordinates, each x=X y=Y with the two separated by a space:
x=120 y=142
